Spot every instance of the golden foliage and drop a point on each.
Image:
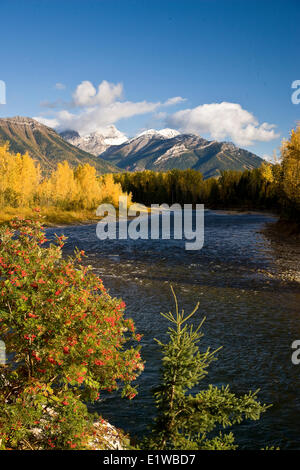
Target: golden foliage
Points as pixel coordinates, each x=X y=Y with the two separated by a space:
x=21 y=185
x=267 y=172
x=290 y=152
x=19 y=178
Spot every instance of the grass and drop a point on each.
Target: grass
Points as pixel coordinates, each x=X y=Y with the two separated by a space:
x=53 y=216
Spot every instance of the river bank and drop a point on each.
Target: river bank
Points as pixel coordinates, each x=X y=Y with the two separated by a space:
x=285 y=238
x=53 y=216
x=284 y=230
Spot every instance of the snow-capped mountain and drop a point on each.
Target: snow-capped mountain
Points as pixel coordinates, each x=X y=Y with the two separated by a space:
x=152 y=151
x=166 y=133
x=96 y=142
x=164 y=149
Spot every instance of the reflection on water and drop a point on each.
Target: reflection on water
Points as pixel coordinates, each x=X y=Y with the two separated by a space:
x=250 y=310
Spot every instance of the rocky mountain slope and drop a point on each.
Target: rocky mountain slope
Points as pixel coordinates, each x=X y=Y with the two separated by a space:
x=154 y=151
x=45 y=145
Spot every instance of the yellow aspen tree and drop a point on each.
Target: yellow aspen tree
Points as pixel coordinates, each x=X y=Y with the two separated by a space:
x=19 y=178
x=88 y=186
x=111 y=191
x=290 y=152
x=266 y=172
x=63 y=185
x=30 y=176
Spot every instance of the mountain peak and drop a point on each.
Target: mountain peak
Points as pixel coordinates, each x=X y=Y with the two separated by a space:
x=165 y=133
x=21 y=120
x=69 y=134
x=97 y=141
x=168 y=133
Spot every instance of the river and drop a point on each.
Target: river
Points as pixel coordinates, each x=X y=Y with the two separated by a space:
x=248 y=291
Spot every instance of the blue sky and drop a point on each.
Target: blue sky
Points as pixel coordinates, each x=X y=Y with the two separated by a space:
x=241 y=53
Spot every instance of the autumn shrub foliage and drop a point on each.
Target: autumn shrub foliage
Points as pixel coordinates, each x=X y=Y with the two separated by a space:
x=66 y=338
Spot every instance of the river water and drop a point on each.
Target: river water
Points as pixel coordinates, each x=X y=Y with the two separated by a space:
x=248 y=291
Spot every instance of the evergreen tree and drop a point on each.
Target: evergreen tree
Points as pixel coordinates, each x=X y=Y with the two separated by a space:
x=184 y=420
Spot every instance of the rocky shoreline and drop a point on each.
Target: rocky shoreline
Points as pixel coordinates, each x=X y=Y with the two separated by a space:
x=285 y=240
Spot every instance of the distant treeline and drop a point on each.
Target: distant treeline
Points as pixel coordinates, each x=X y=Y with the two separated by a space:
x=273 y=187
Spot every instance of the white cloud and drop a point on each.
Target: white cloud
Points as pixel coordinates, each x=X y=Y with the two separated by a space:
x=222 y=121
x=87 y=95
x=161 y=115
x=175 y=100
x=95 y=108
x=268 y=158
x=271 y=158
x=84 y=94
x=60 y=86
x=50 y=122
x=92 y=108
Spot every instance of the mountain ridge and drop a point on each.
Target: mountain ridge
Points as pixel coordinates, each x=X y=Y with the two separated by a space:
x=160 y=150
x=181 y=151
x=45 y=145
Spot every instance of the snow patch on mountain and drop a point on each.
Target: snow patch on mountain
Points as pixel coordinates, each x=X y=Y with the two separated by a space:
x=165 y=133
x=112 y=135
x=177 y=150
x=99 y=141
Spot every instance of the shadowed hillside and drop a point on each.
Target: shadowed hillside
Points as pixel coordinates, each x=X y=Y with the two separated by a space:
x=45 y=145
